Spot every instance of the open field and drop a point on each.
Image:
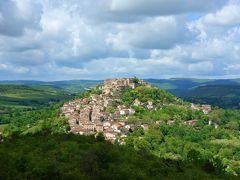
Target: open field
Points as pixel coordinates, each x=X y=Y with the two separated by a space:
x=26 y=97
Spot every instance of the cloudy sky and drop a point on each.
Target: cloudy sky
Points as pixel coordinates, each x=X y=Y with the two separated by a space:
x=96 y=39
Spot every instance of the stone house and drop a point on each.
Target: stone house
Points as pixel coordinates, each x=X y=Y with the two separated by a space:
x=99 y=128
x=170 y=122
x=131 y=111
x=124 y=112
x=116 y=126
x=85 y=114
x=127 y=112
x=107 y=123
x=68 y=114
x=127 y=126
x=110 y=135
x=206 y=109
x=150 y=105
x=191 y=122
x=145 y=127
x=89 y=126
x=136 y=102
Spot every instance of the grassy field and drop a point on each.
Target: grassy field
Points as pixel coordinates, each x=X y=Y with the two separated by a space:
x=14 y=97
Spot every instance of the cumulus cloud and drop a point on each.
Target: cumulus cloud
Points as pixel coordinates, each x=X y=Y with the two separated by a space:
x=17 y=15
x=153 y=33
x=228 y=16
x=233 y=69
x=96 y=39
x=201 y=67
x=162 y=7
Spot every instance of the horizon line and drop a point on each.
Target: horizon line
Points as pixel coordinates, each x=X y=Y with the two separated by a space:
x=173 y=78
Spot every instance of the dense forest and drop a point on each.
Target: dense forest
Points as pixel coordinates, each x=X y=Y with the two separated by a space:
x=224 y=96
x=58 y=156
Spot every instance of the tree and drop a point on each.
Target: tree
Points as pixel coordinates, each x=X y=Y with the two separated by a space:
x=233 y=125
x=135 y=80
x=141 y=144
x=194 y=155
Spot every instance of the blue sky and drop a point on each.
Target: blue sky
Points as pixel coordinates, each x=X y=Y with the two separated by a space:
x=97 y=39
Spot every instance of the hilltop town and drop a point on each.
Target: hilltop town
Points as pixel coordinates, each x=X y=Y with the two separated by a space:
x=96 y=114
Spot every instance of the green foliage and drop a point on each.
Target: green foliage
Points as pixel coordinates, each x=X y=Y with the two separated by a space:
x=224 y=96
x=198 y=145
x=110 y=109
x=96 y=90
x=144 y=94
x=82 y=157
x=136 y=80
x=21 y=97
x=30 y=122
x=222 y=93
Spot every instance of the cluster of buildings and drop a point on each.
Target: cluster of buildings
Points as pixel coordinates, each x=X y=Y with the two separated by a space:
x=90 y=115
x=206 y=109
x=104 y=113
x=113 y=86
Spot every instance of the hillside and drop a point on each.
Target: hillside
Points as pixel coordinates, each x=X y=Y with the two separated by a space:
x=81 y=157
x=72 y=86
x=223 y=93
x=224 y=96
x=129 y=111
x=22 y=97
x=135 y=115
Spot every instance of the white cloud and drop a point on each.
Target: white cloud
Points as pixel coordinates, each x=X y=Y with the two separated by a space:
x=24 y=14
x=232 y=69
x=201 y=67
x=228 y=16
x=3 y=66
x=153 y=33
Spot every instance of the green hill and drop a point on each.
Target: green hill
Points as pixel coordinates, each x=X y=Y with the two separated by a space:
x=71 y=86
x=224 y=96
x=165 y=147
x=14 y=97
x=222 y=93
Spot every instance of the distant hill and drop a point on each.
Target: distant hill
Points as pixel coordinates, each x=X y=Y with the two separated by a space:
x=223 y=93
x=224 y=96
x=72 y=86
x=185 y=84
x=18 y=96
x=211 y=91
